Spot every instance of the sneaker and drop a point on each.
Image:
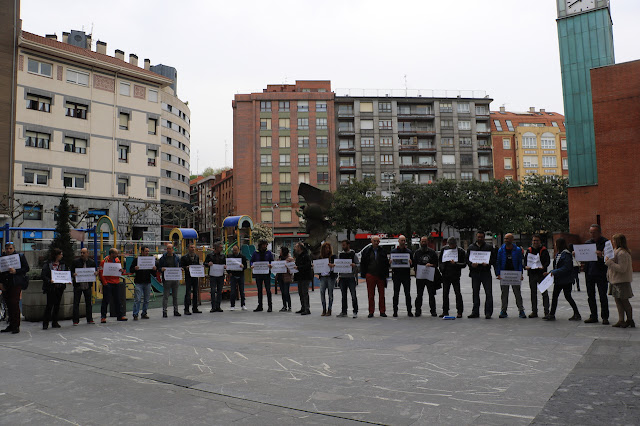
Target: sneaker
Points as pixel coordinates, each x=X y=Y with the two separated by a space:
x=503 y=314
x=487 y=317
x=186 y=312
x=258 y=309
x=576 y=317
x=300 y=311
x=533 y=315
x=123 y=319
x=341 y=315
x=370 y=316
x=289 y=309
x=522 y=314
x=269 y=309
x=196 y=311
x=91 y=322
x=244 y=308
x=56 y=325
x=605 y=322
x=355 y=315
x=550 y=318
x=212 y=310
x=103 y=320
x=545 y=316
x=306 y=313
x=135 y=318
x=383 y=315
x=75 y=323
x=410 y=314
x=219 y=310
x=284 y=309
x=418 y=313
x=474 y=316
x=144 y=316
x=591 y=321
x=176 y=314
x=233 y=308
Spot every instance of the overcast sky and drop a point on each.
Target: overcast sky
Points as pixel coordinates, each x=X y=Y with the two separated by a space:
x=508 y=48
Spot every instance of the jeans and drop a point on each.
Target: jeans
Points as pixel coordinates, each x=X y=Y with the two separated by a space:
x=373 y=282
x=602 y=286
x=142 y=291
x=303 y=292
x=504 y=290
x=263 y=279
x=216 y=284
x=111 y=295
x=431 y=290
x=566 y=288
x=191 y=287
x=484 y=279
x=535 y=278
x=237 y=284
x=168 y=287
x=284 y=290
x=12 y=298
x=405 y=282
x=326 y=285
x=77 y=294
x=54 y=296
x=349 y=284
x=447 y=283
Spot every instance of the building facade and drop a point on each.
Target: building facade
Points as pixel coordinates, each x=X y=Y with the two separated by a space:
x=282 y=137
x=527 y=143
x=223 y=196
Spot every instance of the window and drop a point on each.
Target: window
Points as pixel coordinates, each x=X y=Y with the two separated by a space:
x=323 y=159
x=482 y=110
x=529 y=141
x=321 y=106
x=283 y=106
x=446 y=141
x=366 y=106
x=124 y=121
x=370 y=176
x=167 y=190
x=74 y=181
x=384 y=106
x=387 y=177
x=303 y=159
x=506 y=143
x=123 y=183
x=40 y=68
x=303 y=123
x=563 y=144
x=385 y=124
x=123 y=153
x=322 y=142
x=346 y=144
x=265 y=106
x=510 y=126
x=265 y=160
x=79 y=146
x=265 y=197
x=266 y=216
x=345 y=126
x=554 y=124
x=36 y=177
x=152 y=123
x=303 y=106
x=446 y=124
x=125 y=89
x=446 y=107
x=406 y=160
x=37 y=140
x=507 y=164
x=407 y=177
x=464 y=125
x=285 y=216
x=427 y=160
x=39 y=103
x=32 y=212
x=321 y=123
x=463 y=107
x=482 y=127
x=366 y=142
x=449 y=175
x=304 y=177
x=425 y=144
x=448 y=159
x=565 y=164
x=284 y=123
x=285 y=159
x=151 y=157
x=265 y=124
x=76 y=110
x=303 y=141
x=345 y=109
x=284 y=141
x=153 y=97
x=465 y=141
x=151 y=190
x=285 y=196
x=466 y=176
x=386 y=159
x=323 y=178
x=548 y=141
x=549 y=162
x=266 y=178
x=483 y=161
x=77 y=77
x=498 y=125
x=265 y=141
x=508 y=177
x=347 y=161
x=529 y=161
x=366 y=124
x=386 y=141
x=285 y=177
x=466 y=159
x=368 y=159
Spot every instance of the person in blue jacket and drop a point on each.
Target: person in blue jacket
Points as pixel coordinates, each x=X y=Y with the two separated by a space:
x=509 y=259
x=562 y=280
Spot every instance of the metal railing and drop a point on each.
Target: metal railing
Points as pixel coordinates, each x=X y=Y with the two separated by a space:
x=410 y=93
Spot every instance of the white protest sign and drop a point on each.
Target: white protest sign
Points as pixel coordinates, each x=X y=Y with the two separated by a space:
x=424 y=272
x=111 y=269
x=260 y=268
x=146 y=262
x=279 y=267
x=61 y=277
x=449 y=255
x=173 y=274
x=321 y=266
x=291 y=266
x=400 y=260
x=343 y=266
x=216 y=270
x=196 y=271
x=510 y=277
x=533 y=261
x=608 y=250
x=585 y=252
x=8 y=262
x=479 y=257
x=546 y=283
x=234 y=264
x=85 y=275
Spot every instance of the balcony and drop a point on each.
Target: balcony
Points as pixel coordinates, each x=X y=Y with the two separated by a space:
x=346 y=167
x=484 y=166
x=413 y=115
x=410 y=128
x=345 y=112
x=418 y=166
x=346 y=130
x=417 y=148
x=346 y=150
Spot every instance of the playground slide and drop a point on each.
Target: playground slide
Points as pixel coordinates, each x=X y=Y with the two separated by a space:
x=157 y=285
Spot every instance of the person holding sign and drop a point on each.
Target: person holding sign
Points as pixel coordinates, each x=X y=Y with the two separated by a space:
x=536 y=262
x=169 y=260
x=620 y=275
x=327 y=279
x=83 y=288
x=13 y=281
x=401 y=277
x=53 y=290
x=480 y=258
x=563 y=280
x=142 y=283
x=347 y=280
x=374 y=267
x=303 y=277
x=216 y=282
x=452 y=261
x=596 y=277
x=427 y=257
x=191 y=283
x=283 y=280
x=509 y=259
x=237 y=278
x=111 y=289
x=263 y=255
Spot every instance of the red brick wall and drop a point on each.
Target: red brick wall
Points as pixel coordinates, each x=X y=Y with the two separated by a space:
x=499 y=154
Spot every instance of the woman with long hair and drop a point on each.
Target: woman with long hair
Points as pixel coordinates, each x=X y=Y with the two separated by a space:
x=562 y=280
x=284 y=280
x=53 y=290
x=620 y=275
x=327 y=280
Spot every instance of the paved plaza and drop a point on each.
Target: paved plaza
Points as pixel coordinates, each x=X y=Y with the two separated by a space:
x=282 y=368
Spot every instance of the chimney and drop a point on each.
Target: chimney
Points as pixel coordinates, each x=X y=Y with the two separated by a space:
x=503 y=109
x=65 y=37
x=133 y=59
x=89 y=42
x=120 y=54
x=101 y=47
x=543 y=110
x=532 y=109
x=147 y=64
x=52 y=36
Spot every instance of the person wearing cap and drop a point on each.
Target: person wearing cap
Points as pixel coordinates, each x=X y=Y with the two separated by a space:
x=13 y=282
x=263 y=255
x=451 y=272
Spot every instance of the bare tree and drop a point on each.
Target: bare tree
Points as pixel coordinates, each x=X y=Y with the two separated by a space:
x=136 y=210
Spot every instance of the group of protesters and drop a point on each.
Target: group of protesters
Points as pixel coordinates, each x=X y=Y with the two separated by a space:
x=604 y=276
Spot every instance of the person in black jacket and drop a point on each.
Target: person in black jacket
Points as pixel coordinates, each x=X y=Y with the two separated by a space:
x=190 y=283
x=303 y=277
x=480 y=274
x=53 y=290
x=82 y=288
x=402 y=277
x=374 y=267
x=142 y=285
x=451 y=272
x=216 y=283
x=237 y=279
x=536 y=274
x=426 y=256
x=562 y=280
x=348 y=282
x=13 y=282
x=596 y=277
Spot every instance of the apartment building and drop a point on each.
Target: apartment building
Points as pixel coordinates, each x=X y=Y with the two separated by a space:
x=389 y=138
x=528 y=143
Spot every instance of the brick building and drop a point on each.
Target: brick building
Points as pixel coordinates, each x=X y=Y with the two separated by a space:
x=282 y=136
x=213 y=197
x=613 y=201
x=223 y=192
x=526 y=143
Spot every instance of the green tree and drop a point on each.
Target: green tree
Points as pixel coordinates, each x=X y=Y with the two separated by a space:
x=547 y=204
x=62 y=239
x=210 y=171
x=356 y=206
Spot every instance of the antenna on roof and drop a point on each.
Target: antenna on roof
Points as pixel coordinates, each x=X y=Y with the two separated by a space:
x=405 y=86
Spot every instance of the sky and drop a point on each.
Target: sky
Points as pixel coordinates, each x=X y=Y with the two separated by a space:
x=507 y=48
